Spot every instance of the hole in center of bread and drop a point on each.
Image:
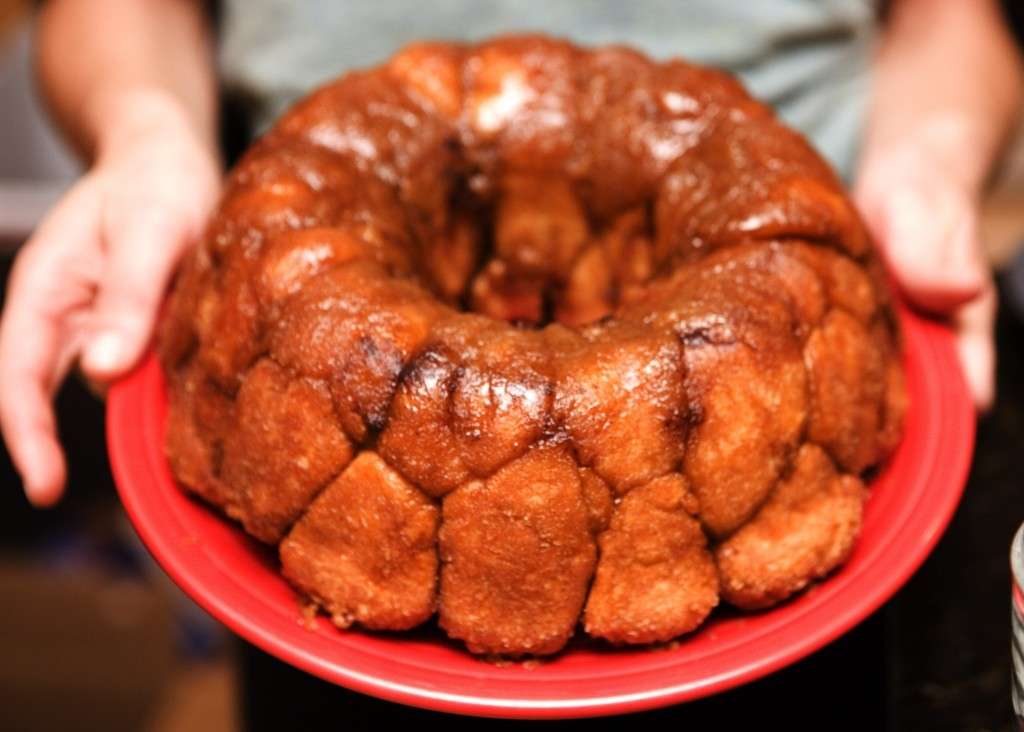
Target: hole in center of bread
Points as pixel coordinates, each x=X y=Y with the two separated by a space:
x=523 y=249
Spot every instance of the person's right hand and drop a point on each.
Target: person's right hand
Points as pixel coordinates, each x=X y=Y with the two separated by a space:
x=91 y=279
x=925 y=218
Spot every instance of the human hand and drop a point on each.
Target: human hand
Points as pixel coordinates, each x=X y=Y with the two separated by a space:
x=924 y=218
x=89 y=282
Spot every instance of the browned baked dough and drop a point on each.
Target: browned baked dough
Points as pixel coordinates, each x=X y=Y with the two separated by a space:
x=680 y=353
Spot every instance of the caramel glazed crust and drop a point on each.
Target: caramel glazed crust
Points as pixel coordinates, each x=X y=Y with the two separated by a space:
x=712 y=359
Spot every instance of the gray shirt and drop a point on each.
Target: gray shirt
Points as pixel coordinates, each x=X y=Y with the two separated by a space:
x=810 y=59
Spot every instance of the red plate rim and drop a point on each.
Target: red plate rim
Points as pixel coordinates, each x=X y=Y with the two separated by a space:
x=912 y=501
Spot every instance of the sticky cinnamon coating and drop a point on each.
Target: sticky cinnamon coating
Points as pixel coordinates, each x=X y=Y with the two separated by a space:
x=535 y=338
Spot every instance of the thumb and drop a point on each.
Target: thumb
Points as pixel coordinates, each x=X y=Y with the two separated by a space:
x=141 y=255
x=932 y=245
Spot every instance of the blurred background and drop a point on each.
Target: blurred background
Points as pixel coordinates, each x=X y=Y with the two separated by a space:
x=94 y=636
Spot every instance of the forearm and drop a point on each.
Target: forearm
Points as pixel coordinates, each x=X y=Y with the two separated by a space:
x=111 y=68
x=947 y=83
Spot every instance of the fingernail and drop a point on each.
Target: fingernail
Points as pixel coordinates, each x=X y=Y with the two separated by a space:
x=105 y=352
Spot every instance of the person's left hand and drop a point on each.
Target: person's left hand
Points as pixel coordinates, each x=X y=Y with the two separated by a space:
x=925 y=221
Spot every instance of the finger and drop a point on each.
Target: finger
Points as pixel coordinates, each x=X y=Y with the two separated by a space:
x=975 y=345
x=932 y=247
x=142 y=253
x=31 y=435
x=36 y=340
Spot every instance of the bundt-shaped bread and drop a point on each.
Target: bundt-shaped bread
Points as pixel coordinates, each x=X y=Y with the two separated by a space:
x=528 y=335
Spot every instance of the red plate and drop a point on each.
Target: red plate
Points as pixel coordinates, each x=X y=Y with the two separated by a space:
x=236 y=579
